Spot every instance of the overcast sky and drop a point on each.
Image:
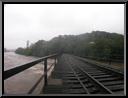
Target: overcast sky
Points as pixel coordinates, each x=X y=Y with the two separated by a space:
x=34 y=22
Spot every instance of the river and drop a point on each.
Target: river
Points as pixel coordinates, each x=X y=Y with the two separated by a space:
x=22 y=82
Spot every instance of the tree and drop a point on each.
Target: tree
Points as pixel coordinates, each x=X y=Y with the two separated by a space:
x=99 y=45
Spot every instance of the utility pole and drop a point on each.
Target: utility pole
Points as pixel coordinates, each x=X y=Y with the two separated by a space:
x=27 y=45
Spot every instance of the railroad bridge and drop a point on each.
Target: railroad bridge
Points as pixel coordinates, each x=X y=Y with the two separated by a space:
x=74 y=75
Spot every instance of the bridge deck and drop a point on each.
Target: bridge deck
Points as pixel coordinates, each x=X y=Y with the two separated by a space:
x=56 y=81
x=72 y=76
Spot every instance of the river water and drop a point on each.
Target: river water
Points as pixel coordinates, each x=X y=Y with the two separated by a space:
x=22 y=82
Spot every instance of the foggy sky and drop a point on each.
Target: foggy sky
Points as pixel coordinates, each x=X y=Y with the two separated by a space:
x=34 y=22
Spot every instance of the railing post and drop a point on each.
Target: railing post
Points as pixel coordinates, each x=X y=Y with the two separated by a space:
x=45 y=72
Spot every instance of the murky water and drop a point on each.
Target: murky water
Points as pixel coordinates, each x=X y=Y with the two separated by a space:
x=21 y=83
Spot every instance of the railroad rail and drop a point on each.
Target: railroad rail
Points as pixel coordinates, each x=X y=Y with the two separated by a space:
x=82 y=77
x=78 y=75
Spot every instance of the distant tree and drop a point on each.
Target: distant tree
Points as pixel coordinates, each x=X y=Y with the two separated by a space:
x=100 y=45
x=20 y=51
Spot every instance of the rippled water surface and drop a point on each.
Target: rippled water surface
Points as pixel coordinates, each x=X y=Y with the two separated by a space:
x=22 y=82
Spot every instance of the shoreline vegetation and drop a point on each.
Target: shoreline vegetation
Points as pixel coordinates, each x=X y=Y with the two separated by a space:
x=98 y=45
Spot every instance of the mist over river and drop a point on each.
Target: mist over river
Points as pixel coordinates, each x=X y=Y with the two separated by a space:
x=22 y=82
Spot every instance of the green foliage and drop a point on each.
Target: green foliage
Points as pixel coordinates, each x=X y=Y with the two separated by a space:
x=97 y=44
x=20 y=50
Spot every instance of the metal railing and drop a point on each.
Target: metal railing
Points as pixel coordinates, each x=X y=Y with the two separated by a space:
x=11 y=72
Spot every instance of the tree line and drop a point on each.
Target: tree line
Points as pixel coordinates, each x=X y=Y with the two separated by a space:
x=95 y=45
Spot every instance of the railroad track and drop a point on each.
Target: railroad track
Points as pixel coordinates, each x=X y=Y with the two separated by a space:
x=83 y=78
